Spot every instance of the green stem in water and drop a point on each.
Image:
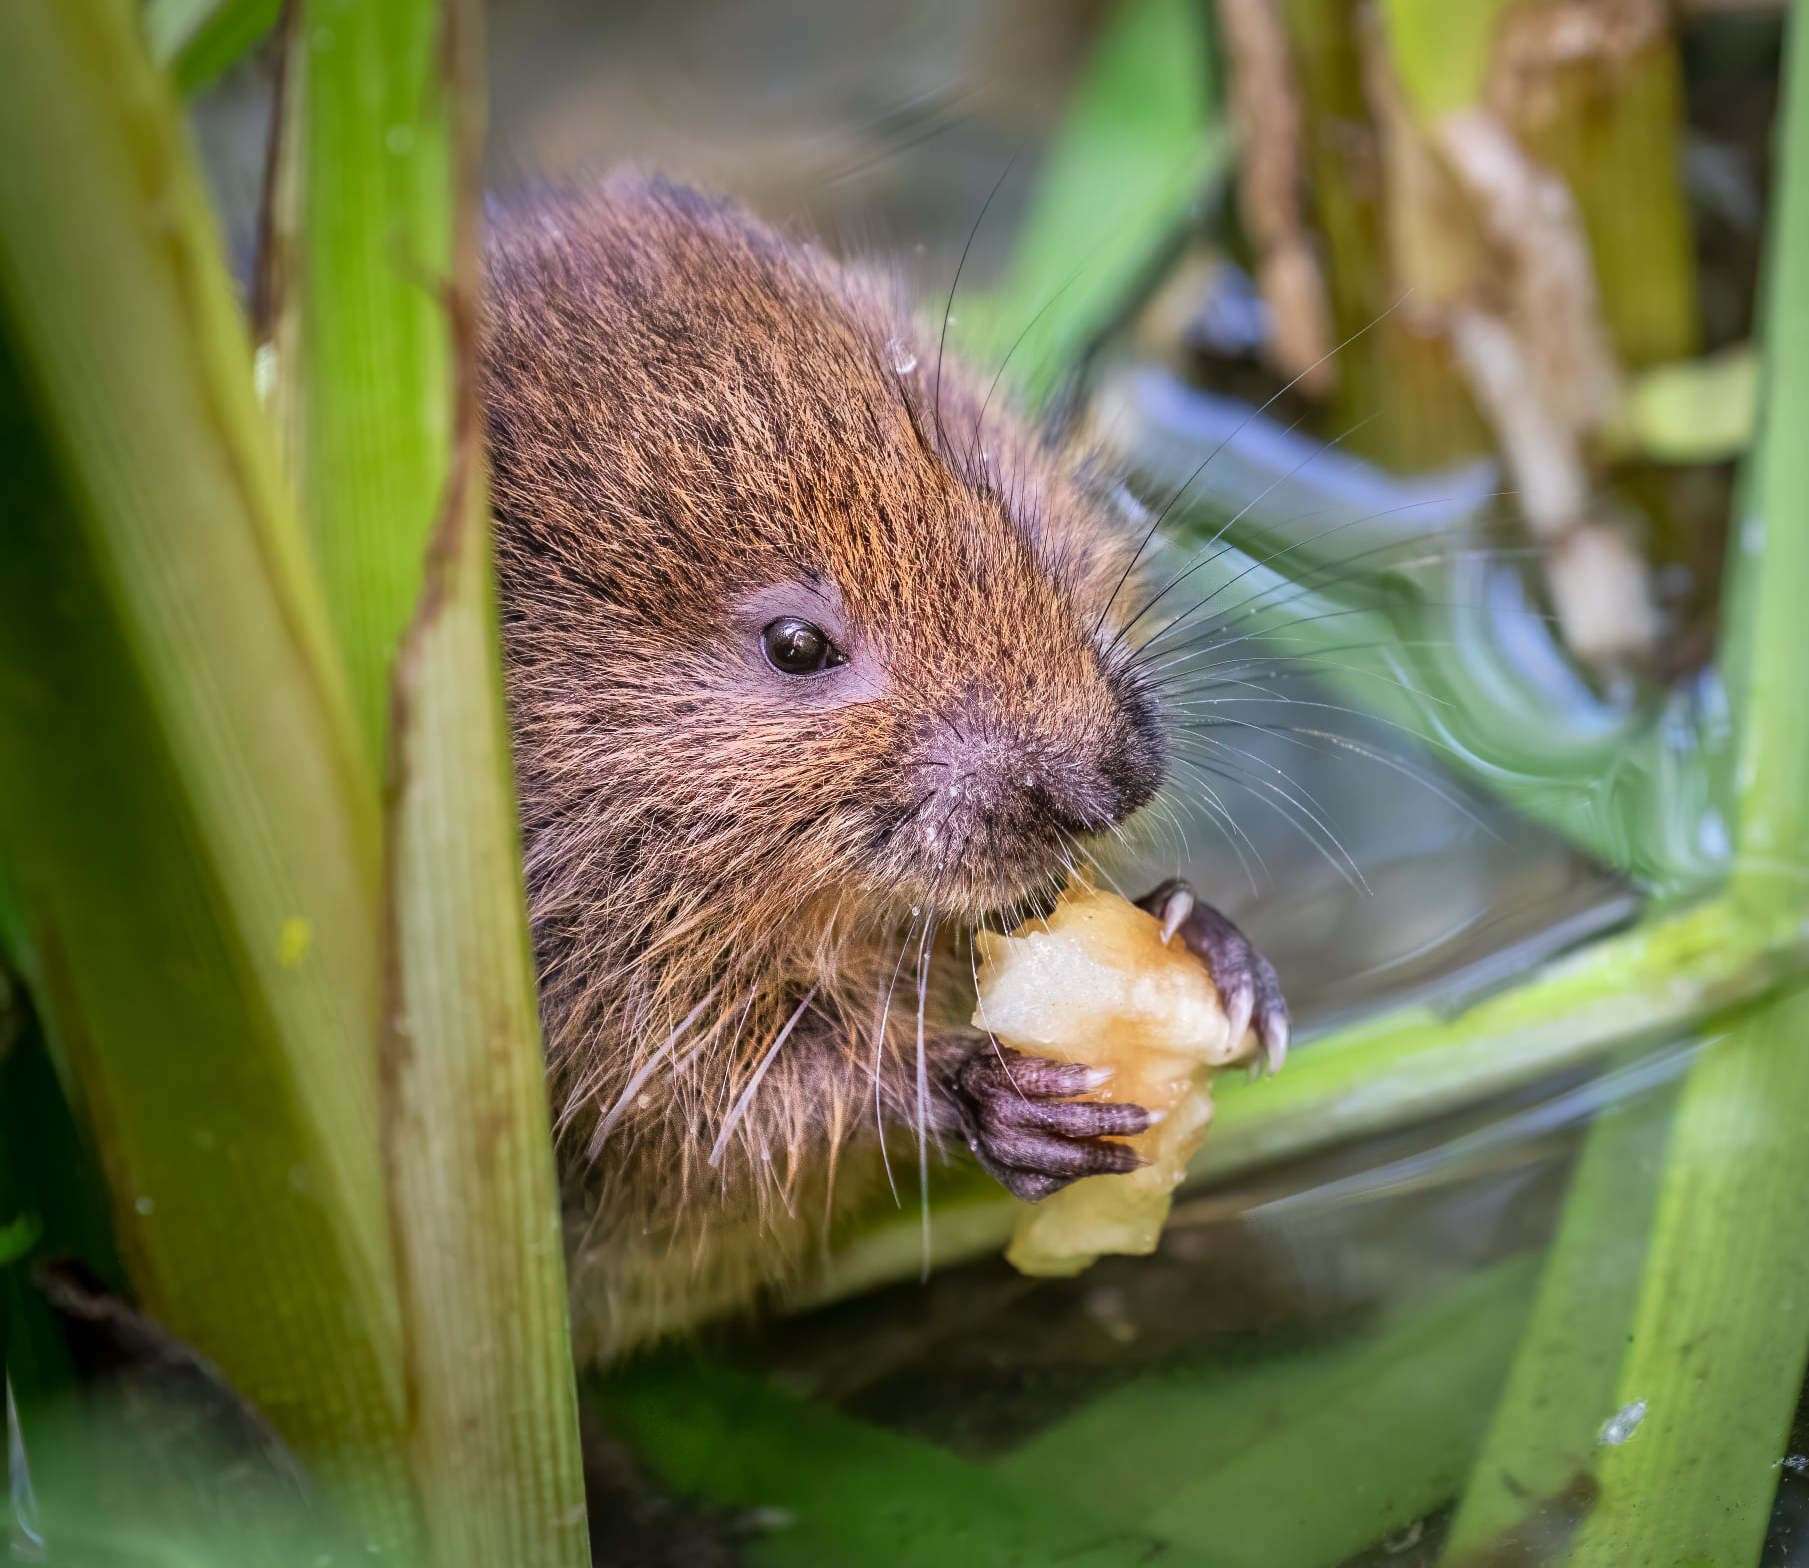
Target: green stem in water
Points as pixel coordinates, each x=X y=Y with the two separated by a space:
x=1656 y=982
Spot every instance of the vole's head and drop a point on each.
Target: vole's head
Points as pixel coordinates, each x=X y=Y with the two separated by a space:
x=776 y=609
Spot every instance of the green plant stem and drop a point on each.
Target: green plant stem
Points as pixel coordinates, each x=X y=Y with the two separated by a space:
x=1719 y=1340
x=465 y=1119
x=1536 y=1460
x=1441 y=53
x=377 y=327
x=1605 y=118
x=189 y=826
x=359 y=256
x=1399 y=393
x=1711 y=1343
x=1608 y=123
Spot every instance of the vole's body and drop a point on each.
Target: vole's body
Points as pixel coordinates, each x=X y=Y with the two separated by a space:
x=700 y=431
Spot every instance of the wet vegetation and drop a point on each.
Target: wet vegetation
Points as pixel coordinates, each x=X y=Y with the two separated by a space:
x=1438 y=334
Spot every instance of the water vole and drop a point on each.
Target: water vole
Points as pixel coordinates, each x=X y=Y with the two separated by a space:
x=813 y=660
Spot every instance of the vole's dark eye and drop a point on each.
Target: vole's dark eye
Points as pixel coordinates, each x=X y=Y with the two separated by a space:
x=795 y=647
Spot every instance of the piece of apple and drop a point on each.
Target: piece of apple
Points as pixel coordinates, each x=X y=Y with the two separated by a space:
x=1095 y=983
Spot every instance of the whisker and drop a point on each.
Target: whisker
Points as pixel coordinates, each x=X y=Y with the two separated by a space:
x=1252 y=759
x=1209 y=640
x=1329 y=707
x=1018 y=342
x=1291 y=733
x=1228 y=824
x=1342 y=567
x=1306 y=582
x=1244 y=424
x=923 y=1091
x=645 y=1071
x=1320 y=663
x=1383 y=759
x=879 y=1042
x=1342 y=862
x=1258 y=660
x=1232 y=521
x=949 y=304
x=1292 y=590
x=745 y=1099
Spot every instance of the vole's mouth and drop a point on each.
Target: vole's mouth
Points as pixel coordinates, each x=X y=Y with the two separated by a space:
x=977 y=866
x=1004 y=808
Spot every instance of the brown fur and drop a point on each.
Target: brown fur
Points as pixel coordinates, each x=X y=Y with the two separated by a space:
x=685 y=410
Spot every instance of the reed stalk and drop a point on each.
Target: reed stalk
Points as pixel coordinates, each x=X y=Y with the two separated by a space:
x=372 y=289
x=191 y=831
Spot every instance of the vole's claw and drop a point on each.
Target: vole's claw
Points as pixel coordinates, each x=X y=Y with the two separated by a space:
x=1273 y=1030
x=1025 y=1131
x=1175 y=905
x=1246 y=981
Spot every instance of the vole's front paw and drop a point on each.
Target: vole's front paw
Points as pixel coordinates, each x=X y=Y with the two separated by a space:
x=1245 y=979
x=1028 y=1134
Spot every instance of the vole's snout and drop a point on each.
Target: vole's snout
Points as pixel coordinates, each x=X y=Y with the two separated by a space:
x=987 y=776
x=1000 y=805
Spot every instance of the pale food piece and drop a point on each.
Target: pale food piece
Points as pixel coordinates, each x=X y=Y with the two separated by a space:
x=1095 y=983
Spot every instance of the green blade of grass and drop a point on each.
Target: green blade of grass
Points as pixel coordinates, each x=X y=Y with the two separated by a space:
x=189 y=829
x=1771 y=572
x=1135 y=150
x=1717 y=1351
x=199 y=41
x=382 y=130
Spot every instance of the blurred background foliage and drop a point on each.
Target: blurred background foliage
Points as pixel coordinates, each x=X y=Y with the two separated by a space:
x=1434 y=330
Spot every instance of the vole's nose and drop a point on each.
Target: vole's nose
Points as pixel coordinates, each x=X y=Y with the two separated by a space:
x=1078 y=805
x=987 y=767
